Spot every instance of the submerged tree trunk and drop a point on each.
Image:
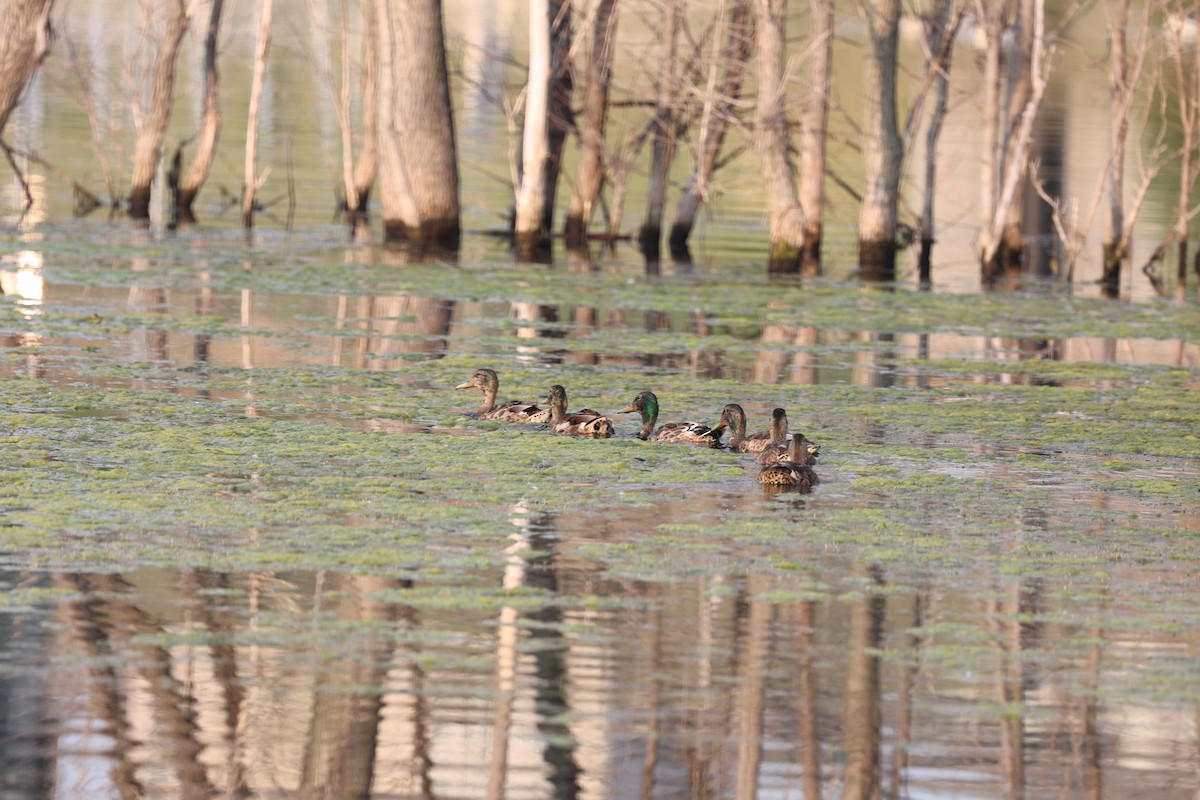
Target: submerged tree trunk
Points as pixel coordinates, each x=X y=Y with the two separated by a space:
x=1009 y=256
x=418 y=170
x=665 y=133
x=940 y=42
x=591 y=123
x=250 y=179
x=814 y=122
x=1114 y=246
x=559 y=121
x=210 y=126
x=719 y=109
x=882 y=148
x=528 y=232
x=24 y=42
x=1001 y=197
x=787 y=222
x=153 y=128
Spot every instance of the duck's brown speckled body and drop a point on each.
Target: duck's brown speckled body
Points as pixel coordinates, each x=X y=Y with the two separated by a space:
x=488 y=382
x=792 y=473
x=581 y=423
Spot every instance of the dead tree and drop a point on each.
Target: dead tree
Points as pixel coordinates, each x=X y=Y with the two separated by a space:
x=939 y=43
x=251 y=181
x=665 y=130
x=787 y=221
x=591 y=122
x=882 y=147
x=24 y=42
x=530 y=185
x=151 y=122
x=418 y=169
x=210 y=127
x=559 y=122
x=731 y=55
x=1005 y=161
x=814 y=124
x=357 y=175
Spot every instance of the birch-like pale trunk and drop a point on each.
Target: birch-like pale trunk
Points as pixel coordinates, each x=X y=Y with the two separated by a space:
x=772 y=140
x=592 y=121
x=814 y=124
x=720 y=102
x=528 y=232
x=882 y=148
x=261 y=51
x=210 y=125
x=152 y=129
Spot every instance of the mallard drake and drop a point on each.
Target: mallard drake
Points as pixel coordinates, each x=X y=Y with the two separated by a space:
x=582 y=423
x=646 y=404
x=488 y=382
x=792 y=473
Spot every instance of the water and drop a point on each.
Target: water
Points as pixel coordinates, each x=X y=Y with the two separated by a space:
x=251 y=546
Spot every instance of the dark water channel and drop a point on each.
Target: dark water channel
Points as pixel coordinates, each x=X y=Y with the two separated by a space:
x=253 y=548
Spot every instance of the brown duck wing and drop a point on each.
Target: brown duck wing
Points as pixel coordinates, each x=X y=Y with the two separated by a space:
x=516 y=412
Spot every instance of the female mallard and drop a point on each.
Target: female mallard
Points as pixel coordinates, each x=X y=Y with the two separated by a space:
x=583 y=423
x=487 y=382
x=772 y=445
x=735 y=418
x=646 y=404
x=792 y=473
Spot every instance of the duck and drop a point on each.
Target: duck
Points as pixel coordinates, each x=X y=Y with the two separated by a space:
x=488 y=382
x=582 y=423
x=794 y=472
x=772 y=445
x=646 y=404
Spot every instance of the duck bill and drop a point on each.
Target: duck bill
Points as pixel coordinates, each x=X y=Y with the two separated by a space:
x=716 y=429
x=467 y=385
x=629 y=410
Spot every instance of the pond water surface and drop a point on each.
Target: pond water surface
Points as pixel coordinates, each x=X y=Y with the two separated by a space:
x=252 y=546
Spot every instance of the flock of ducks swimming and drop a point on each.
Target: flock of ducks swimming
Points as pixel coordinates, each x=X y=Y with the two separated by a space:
x=785 y=459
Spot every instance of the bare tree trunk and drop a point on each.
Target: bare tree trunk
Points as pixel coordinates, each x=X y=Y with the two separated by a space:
x=357 y=177
x=882 y=148
x=995 y=14
x=1016 y=158
x=718 y=112
x=24 y=42
x=1020 y=89
x=529 y=234
x=250 y=179
x=1187 y=77
x=787 y=221
x=814 y=123
x=1113 y=248
x=210 y=126
x=665 y=132
x=940 y=41
x=592 y=121
x=152 y=129
x=368 y=158
x=418 y=170
x=560 y=119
